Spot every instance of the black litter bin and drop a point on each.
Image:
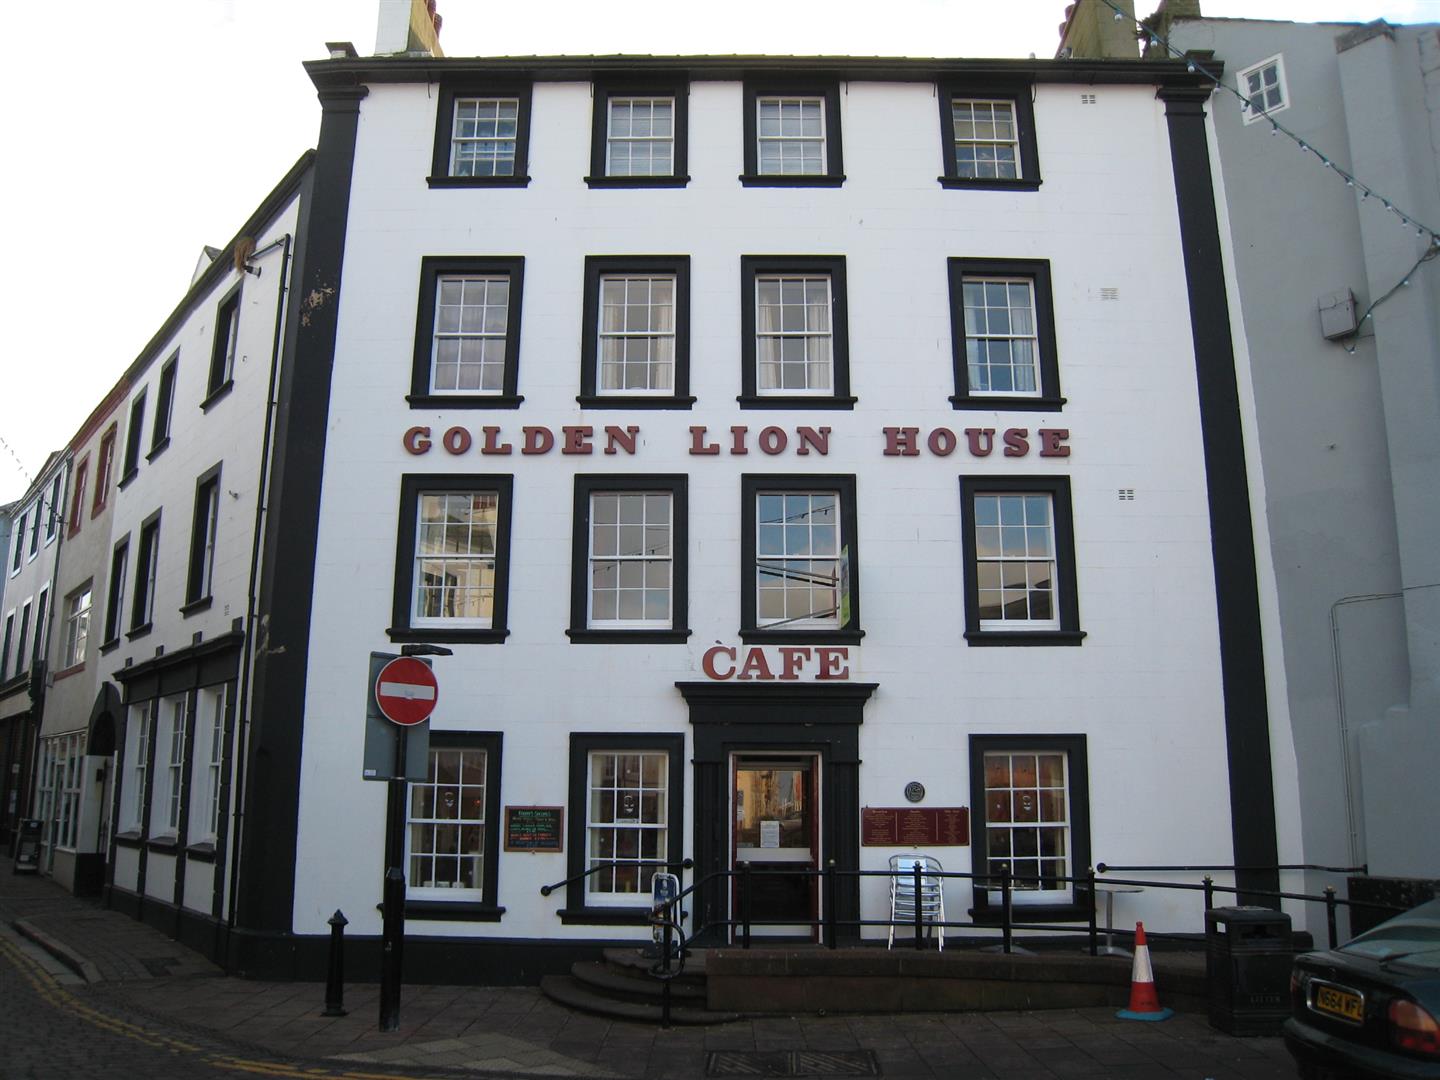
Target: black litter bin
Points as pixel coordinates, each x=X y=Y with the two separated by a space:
x=1248 y=955
x=27 y=851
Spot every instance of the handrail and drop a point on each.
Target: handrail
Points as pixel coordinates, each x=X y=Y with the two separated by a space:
x=1103 y=868
x=546 y=890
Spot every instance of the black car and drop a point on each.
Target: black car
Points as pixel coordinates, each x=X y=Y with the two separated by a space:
x=1369 y=1008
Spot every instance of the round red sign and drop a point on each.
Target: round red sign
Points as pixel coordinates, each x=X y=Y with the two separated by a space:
x=406 y=691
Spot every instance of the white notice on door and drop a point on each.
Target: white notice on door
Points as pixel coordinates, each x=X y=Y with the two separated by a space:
x=769 y=834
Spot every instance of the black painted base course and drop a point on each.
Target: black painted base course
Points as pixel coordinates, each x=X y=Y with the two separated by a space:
x=791 y=1063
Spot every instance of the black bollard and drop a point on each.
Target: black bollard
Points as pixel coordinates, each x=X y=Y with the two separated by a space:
x=335 y=981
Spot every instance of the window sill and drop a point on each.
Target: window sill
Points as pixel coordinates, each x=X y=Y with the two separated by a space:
x=1024 y=637
x=1031 y=913
x=453 y=911
x=475 y=636
x=203 y=852
x=158 y=449
x=17 y=681
x=962 y=183
x=633 y=401
x=107 y=647
x=637 y=181
x=167 y=844
x=600 y=916
x=1009 y=404
x=464 y=401
x=762 y=636
x=75 y=669
x=196 y=606
x=753 y=180
x=627 y=637
x=216 y=394
x=795 y=401
x=138 y=631
x=129 y=838
x=124 y=481
x=477 y=181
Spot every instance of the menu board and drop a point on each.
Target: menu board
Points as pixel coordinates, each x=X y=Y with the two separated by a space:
x=904 y=826
x=534 y=828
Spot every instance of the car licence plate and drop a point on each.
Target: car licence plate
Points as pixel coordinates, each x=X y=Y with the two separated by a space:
x=1333 y=1001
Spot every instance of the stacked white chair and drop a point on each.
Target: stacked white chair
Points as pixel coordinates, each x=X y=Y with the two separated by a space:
x=904 y=899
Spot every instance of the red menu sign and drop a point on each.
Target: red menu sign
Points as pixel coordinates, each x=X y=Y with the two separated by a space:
x=901 y=826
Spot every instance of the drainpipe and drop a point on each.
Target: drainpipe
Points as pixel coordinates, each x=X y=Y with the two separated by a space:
x=241 y=741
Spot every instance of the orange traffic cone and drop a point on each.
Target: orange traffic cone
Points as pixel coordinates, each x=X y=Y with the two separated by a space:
x=1144 y=1002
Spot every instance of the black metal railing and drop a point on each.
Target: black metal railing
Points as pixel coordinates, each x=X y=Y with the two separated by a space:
x=739 y=924
x=683 y=864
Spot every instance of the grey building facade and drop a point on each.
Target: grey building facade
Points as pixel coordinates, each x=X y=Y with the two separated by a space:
x=1346 y=421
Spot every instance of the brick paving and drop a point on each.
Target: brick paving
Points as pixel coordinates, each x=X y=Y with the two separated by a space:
x=136 y=976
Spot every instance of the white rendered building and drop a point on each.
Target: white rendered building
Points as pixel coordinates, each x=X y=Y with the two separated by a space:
x=806 y=461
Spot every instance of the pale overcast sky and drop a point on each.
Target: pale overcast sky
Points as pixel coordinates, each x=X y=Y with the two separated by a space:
x=139 y=130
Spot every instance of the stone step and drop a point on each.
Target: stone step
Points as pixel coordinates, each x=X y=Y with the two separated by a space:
x=632 y=959
x=566 y=991
x=636 y=987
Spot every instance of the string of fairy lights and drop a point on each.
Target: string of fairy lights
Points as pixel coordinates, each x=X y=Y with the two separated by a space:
x=1405 y=217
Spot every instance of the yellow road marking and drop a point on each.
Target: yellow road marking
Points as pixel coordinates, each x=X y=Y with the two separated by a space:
x=49 y=990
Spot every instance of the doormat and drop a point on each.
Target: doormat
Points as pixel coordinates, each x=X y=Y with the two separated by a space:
x=791 y=1063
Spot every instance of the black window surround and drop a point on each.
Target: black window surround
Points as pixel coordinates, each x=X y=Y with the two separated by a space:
x=828 y=90
x=147 y=563
x=751 y=486
x=1058 y=488
x=1047 y=363
x=164 y=407
x=198 y=583
x=676 y=485
x=412 y=486
x=445 y=124
x=1074 y=748
x=576 y=910
x=119 y=564
x=487 y=908
x=600 y=266
x=833 y=266
x=603 y=91
x=133 y=435
x=432 y=269
x=222 y=369
x=1021 y=95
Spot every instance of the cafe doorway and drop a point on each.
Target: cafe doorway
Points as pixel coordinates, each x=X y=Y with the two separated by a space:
x=775 y=842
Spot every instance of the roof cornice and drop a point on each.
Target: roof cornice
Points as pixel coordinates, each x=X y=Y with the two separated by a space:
x=327 y=74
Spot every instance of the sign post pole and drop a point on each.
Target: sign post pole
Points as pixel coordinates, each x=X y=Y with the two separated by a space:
x=405 y=692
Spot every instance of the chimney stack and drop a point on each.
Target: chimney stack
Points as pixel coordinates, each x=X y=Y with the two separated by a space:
x=408 y=28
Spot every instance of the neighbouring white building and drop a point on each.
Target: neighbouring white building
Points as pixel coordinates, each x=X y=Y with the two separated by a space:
x=806 y=460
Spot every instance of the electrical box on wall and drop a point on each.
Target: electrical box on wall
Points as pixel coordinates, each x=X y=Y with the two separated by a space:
x=1337 y=314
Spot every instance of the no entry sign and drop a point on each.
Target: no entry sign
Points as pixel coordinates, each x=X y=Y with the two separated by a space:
x=406 y=691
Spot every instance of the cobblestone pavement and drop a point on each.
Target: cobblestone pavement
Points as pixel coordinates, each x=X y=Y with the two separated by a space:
x=146 y=1007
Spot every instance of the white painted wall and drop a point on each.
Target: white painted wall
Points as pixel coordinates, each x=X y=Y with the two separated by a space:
x=1145 y=685
x=229 y=432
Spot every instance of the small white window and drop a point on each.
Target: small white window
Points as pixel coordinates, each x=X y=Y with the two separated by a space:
x=1015 y=561
x=77 y=626
x=209 y=741
x=797 y=559
x=1263 y=88
x=1000 y=342
x=987 y=146
x=627 y=802
x=455 y=558
x=446 y=838
x=483 y=138
x=472 y=315
x=794 y=337
x=1027 y=823
x=631 y=560
x=790 y=136
x=137 y=756
x=640 y=137
x=637 y=333
x=170 y=757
